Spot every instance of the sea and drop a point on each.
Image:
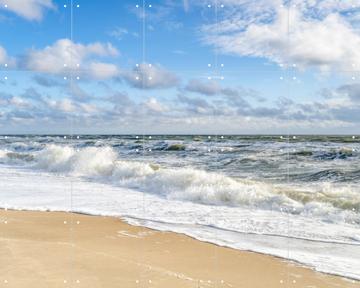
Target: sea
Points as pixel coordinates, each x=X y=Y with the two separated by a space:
x=294 y=197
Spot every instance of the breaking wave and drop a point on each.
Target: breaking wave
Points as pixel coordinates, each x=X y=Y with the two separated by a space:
x=195 y=185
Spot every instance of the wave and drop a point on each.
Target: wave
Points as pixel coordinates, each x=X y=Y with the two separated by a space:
x=343 y=153
x=9 y=157
x=190 y=184
x=334 y=154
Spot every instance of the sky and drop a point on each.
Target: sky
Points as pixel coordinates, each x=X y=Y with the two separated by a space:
x=180 y=67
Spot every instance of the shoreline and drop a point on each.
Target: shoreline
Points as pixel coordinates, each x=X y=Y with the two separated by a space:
x=132 y=255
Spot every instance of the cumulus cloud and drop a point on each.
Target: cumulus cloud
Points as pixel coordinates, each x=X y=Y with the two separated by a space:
x=65 y=54
x=28 y=9
x=101 y=70
x=63 y=105
x=147 y=76
x=153 y=105
x=302 y=34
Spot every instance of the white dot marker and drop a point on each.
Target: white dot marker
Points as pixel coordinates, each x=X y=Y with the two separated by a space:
x=65 y=78
x=5 y=77
x=64 y=5
x=65 y=222
x=137 y=6
x=78 y=78
x=78 y=6
x=6 y=65
x=209 y=65
x=150 y=5
x=209 y=6
x=150 y=78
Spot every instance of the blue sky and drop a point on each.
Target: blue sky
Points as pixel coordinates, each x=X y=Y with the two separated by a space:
x=171 y=66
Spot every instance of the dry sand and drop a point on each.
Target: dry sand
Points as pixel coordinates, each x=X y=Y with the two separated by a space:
x=51 y=249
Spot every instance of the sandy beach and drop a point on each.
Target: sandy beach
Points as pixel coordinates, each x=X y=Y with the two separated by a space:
x=55 y=249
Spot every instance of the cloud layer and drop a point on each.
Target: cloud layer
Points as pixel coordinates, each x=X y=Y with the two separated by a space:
x=305 y=33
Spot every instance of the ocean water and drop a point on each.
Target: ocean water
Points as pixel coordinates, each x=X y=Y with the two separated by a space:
x=296 y=198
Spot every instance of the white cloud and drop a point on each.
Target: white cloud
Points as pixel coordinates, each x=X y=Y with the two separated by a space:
x=63 y=105
x=119 y=33
x=64 y=54
x=154 y=105
x=28 y=9
x=319 y=35
x=19 y=102
x=5 y=58
x=101 y=70
x=147 y=76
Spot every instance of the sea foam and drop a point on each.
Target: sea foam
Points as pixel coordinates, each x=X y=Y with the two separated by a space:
x=103 y=164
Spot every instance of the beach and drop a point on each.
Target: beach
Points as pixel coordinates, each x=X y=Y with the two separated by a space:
x=59 y=249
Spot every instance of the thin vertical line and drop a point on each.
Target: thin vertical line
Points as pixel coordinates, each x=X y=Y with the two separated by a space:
x=142 y=75
x=288 y=140
x=72 y=254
